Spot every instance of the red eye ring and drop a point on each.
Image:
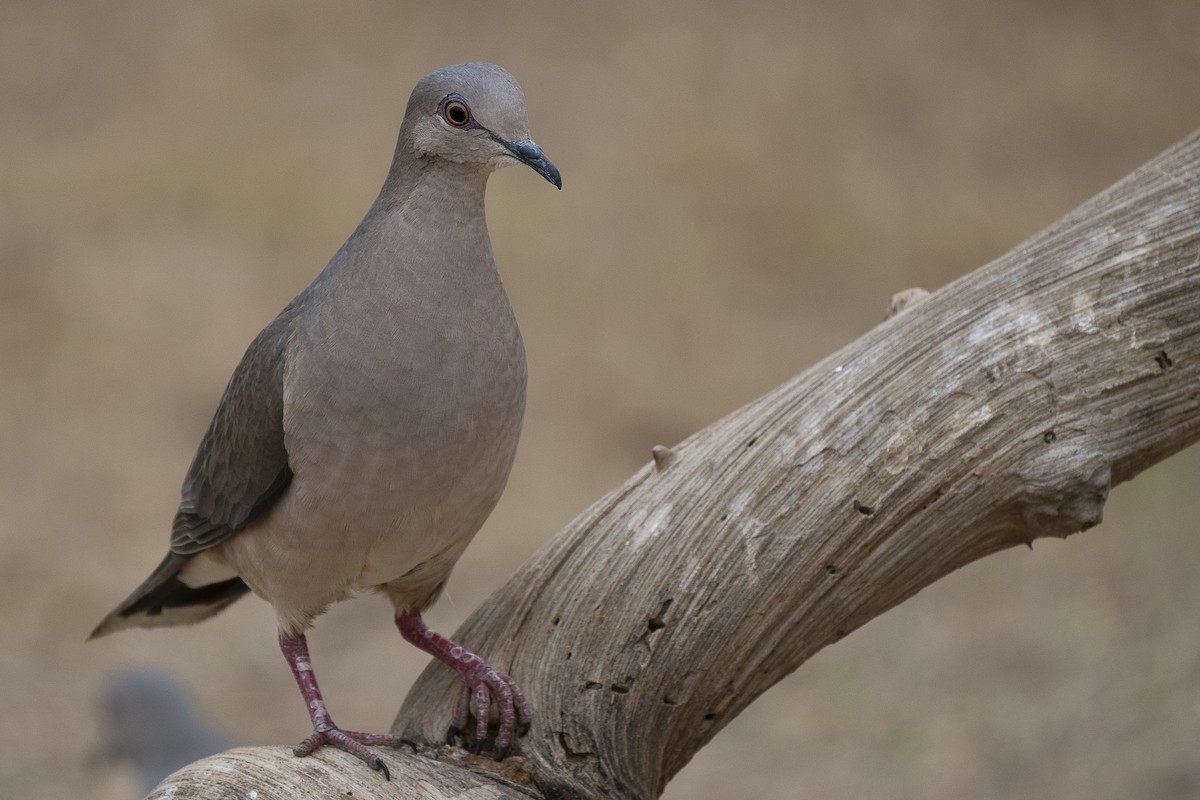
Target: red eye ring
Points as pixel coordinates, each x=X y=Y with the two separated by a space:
x=457 y=113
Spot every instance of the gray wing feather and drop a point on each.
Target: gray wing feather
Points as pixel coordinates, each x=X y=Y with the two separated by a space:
x=241 y=467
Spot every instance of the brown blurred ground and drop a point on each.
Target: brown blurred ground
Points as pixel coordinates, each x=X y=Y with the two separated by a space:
x=746 y=185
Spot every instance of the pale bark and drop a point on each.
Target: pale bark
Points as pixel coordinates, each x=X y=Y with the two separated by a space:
x=996 y=410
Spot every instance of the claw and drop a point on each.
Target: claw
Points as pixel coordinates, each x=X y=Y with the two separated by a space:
x=379 y=765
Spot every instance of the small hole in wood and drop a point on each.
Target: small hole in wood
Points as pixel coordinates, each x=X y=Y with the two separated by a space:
x=937 y=494
x=864 y=509
x=591 y=686
x=669 y=699
x=556 y=620
x=1163 y=360
x=750 y=443
x=831 y=569
x=710 y=716
x=1049 y=436
x=657 y=622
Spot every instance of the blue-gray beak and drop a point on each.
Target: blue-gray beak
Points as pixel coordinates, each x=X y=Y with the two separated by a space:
x=527 y=152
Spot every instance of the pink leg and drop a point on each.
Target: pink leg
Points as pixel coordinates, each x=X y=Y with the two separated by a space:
x=295 y=650
x=480 y=682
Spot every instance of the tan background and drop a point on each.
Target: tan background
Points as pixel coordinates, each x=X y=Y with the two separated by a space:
x=746 y=185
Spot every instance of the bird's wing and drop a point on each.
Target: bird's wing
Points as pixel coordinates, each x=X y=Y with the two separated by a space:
x=241 y=467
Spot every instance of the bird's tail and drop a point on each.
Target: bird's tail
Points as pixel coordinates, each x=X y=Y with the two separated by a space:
x=164 y=599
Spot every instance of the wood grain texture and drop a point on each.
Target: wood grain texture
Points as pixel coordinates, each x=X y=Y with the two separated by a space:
x=273 y=773
x=997 y=410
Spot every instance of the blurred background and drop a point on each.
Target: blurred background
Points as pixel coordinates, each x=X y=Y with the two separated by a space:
x=745 y=187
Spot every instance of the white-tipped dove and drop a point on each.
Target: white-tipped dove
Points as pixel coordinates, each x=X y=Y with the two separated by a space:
x=149 y=725
x=369 y=429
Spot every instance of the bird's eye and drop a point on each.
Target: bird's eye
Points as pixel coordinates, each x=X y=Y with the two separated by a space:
x=457 y=113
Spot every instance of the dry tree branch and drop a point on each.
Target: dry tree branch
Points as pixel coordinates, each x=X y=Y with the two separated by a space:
x=999 y=409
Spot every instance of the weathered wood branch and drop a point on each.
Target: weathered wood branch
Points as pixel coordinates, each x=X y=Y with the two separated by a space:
x=1000 y=409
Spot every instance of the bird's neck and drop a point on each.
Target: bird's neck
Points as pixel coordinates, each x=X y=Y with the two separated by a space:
x=415 y=184
x=429 y=211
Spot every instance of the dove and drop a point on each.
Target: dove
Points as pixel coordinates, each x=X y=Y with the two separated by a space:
x=369 y=429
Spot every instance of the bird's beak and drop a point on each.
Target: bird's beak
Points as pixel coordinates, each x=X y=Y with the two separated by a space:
x=527 y=152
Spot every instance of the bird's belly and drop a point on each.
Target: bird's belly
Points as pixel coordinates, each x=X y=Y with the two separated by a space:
x=389 y=510
x=327 y=539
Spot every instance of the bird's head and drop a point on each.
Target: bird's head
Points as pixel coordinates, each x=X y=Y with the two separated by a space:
x=473 y=114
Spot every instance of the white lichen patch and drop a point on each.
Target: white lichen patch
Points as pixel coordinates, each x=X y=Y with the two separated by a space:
x=740 y=514
x=1083 y=313
x=646 y=525
x=1005 y=321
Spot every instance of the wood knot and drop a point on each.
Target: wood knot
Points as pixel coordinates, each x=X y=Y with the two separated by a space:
x=1064 y=493
x=903 y=301
x=663 y=456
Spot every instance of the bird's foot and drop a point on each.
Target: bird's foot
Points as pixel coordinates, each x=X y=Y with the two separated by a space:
x=354 y=743
x=482 y=687
x=295 y=650
x=483 y=684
